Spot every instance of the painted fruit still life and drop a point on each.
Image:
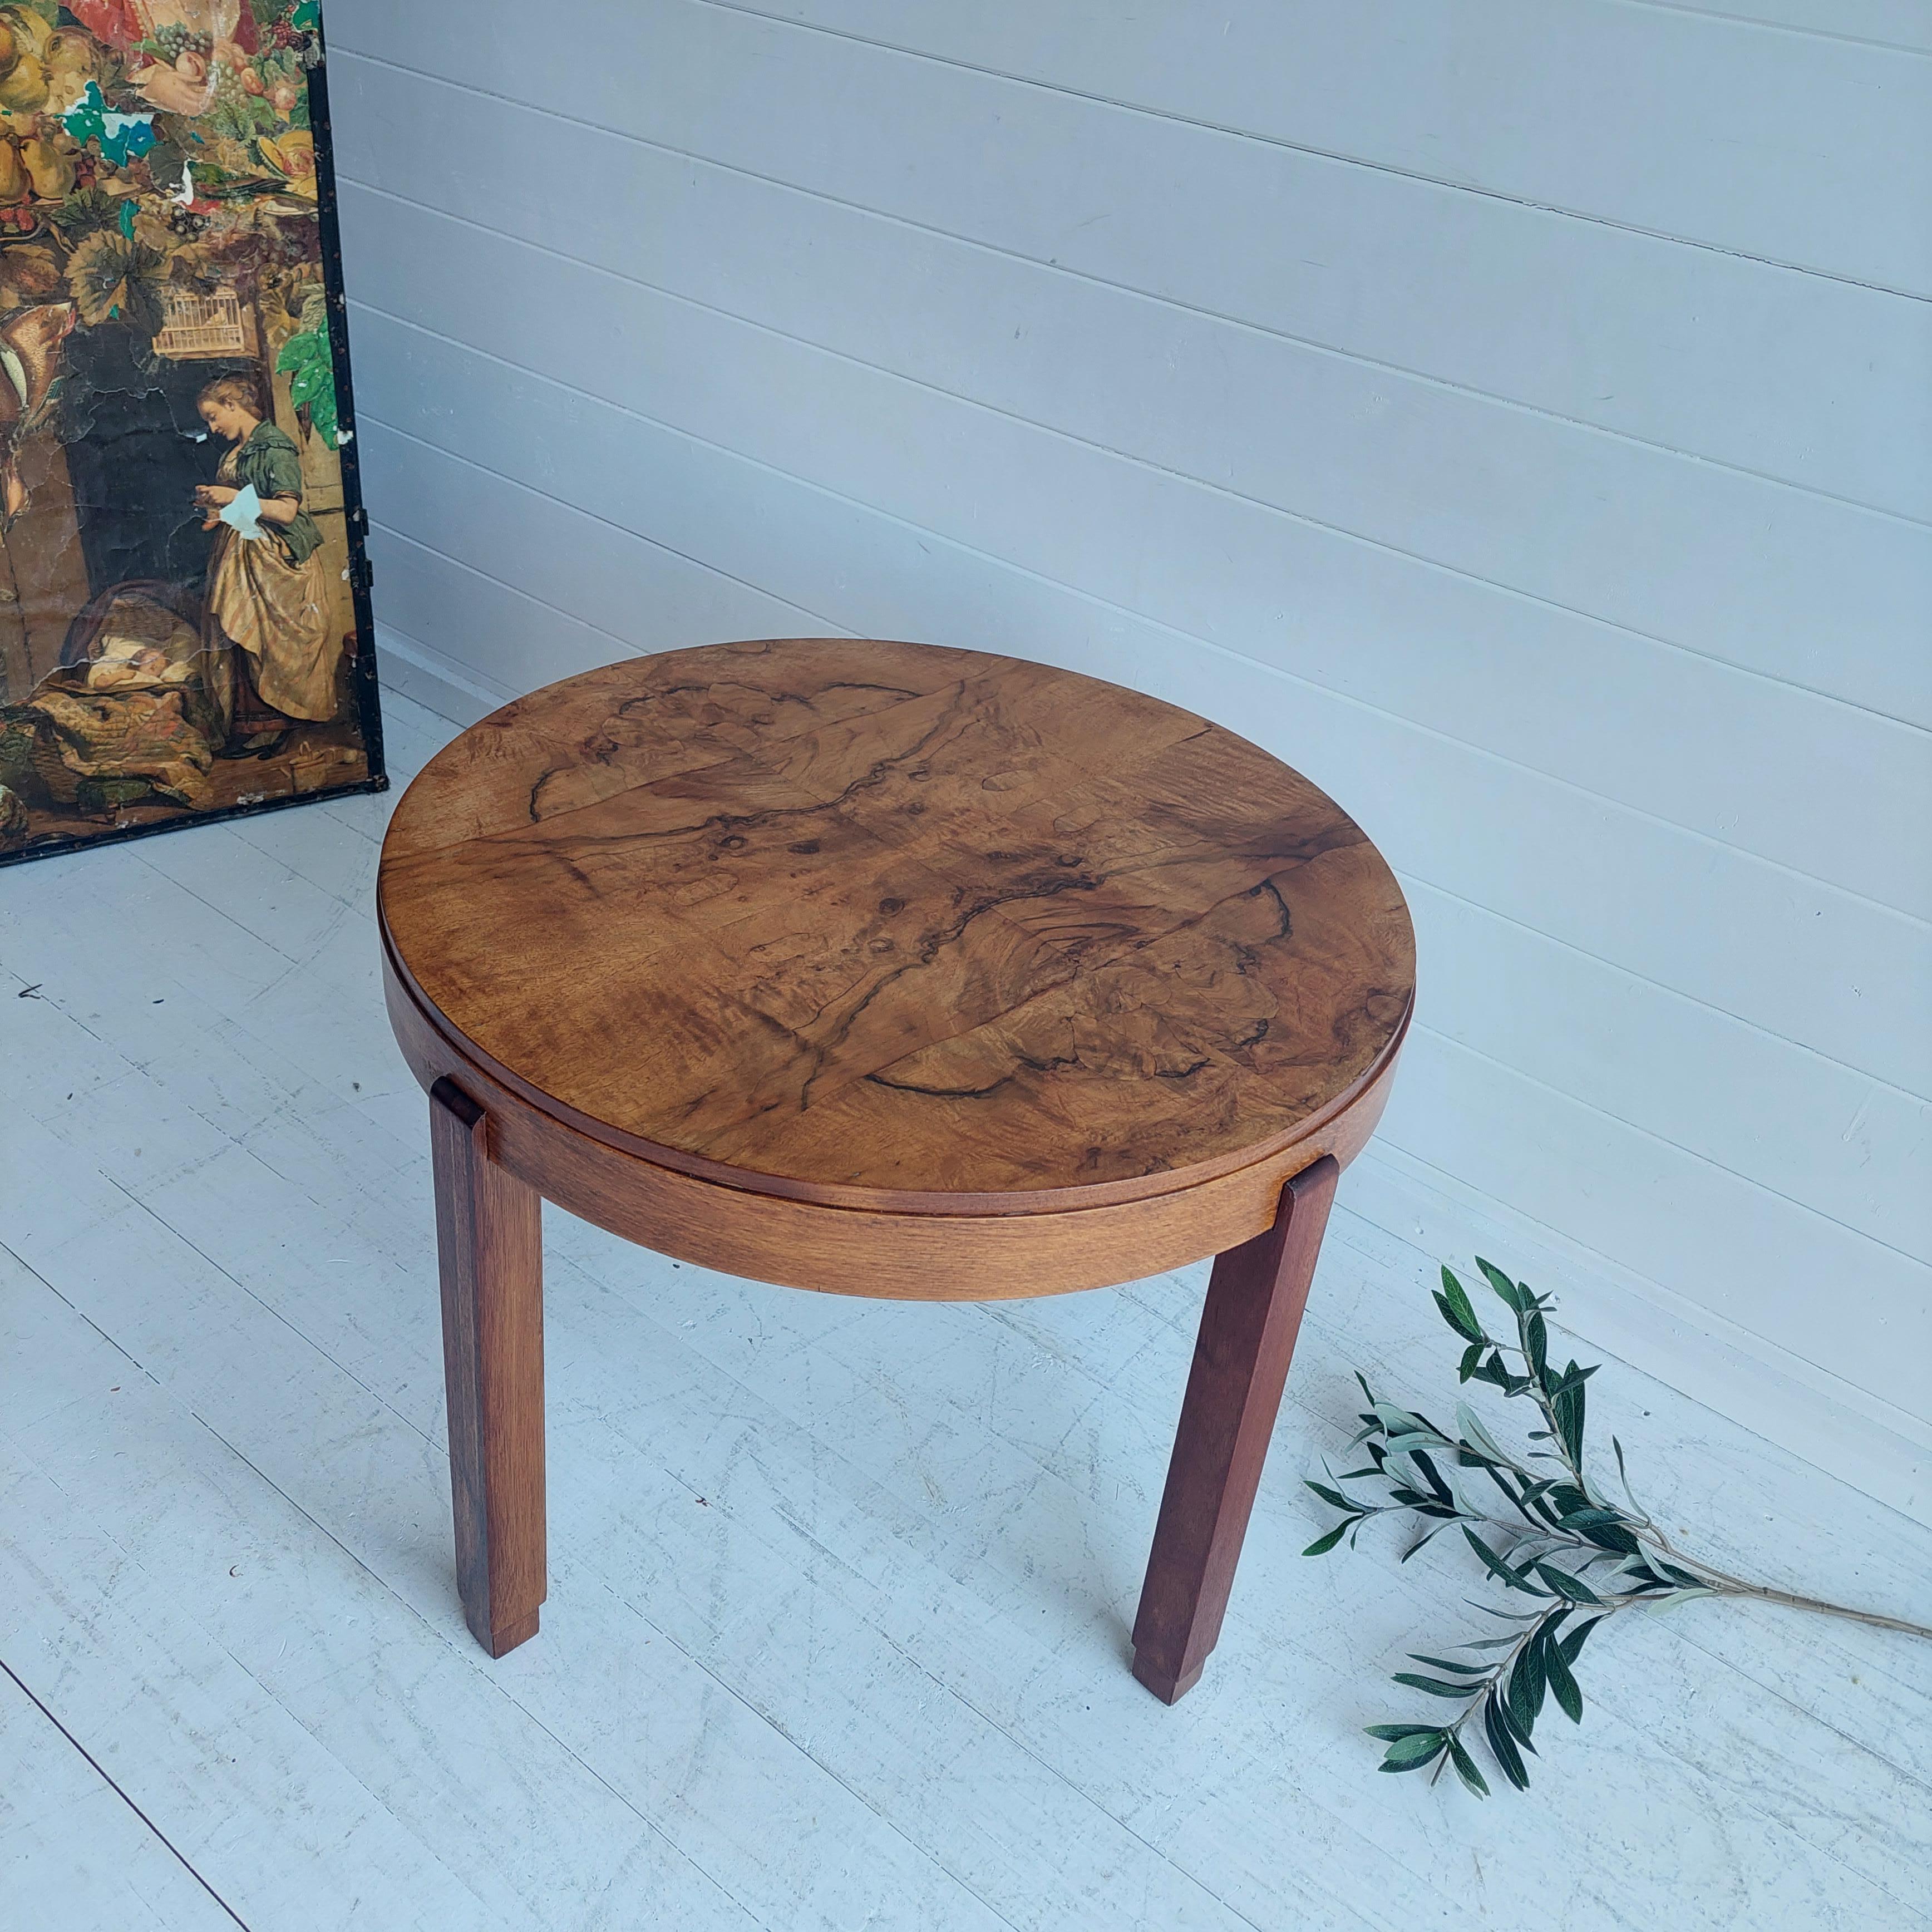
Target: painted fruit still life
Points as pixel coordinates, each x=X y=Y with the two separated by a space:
x=184 y=629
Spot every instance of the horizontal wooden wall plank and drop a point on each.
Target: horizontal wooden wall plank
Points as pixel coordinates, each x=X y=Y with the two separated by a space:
x=1606 y=1306
x=1719 y=562
x=430 y=680
x=1851 y=1147
x=1688 y=348
x=498 y=636
x=1807 y=1285
x=1802 y=150
x=574 y=591
x=1890 y=23
x=1796 y=959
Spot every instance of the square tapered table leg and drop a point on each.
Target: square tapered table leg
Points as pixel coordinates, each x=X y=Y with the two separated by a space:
x=489 y=1229
x=1255 y=1300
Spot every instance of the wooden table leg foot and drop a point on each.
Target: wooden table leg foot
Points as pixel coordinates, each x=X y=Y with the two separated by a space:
x=1169 y=1690
x=489 y=1231
x=1254 y=1301
x=501 y=1642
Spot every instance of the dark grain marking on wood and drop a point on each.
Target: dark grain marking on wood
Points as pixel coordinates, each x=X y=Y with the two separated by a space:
x=838 y=915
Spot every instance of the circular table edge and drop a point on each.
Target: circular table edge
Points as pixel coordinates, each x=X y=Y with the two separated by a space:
x=885 y=1200
x=743 y=1227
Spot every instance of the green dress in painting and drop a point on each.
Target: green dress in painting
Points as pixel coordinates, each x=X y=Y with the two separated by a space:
x=269 y=595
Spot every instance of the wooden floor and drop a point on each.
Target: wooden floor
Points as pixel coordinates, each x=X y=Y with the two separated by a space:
x=837 y=1630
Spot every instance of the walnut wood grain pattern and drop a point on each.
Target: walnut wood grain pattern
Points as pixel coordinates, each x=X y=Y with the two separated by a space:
x=914 y=1257
x=490 y=1245
x=1253 y=1312
x=886 y=927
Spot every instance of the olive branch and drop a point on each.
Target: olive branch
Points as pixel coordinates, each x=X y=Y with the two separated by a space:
x=1556 y=1538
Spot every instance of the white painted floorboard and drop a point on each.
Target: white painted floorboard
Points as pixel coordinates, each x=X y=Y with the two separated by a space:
x=840 y=1589
x=73 y=1852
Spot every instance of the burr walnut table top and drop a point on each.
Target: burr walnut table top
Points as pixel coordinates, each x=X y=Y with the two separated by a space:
x=889 y=927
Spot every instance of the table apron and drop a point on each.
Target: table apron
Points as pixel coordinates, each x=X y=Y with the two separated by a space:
x=854 y=1251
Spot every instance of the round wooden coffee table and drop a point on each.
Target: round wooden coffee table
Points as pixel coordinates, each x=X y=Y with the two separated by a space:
x=885 y=970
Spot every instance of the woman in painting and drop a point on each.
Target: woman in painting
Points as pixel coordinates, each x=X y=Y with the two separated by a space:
x=269 y=612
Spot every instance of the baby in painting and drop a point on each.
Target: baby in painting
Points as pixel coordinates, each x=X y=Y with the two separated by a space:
x=268 y=606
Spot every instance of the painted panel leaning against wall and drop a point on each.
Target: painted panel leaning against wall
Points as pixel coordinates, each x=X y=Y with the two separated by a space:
x=1427 y=390
x=184 y=633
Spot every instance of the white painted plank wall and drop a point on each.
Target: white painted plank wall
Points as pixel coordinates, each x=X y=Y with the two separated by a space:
x=1519 y=416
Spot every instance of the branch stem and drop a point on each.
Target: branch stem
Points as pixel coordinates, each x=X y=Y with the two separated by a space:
x=1724 y=1584
x=1598 y=1546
